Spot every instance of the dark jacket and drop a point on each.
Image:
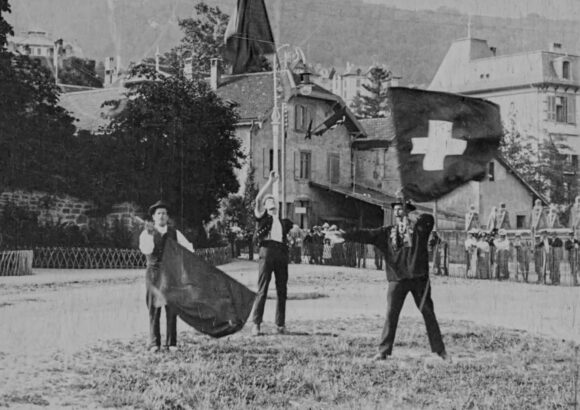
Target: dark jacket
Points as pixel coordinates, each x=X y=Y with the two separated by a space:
x=153 y=273
x=154 y=259
x=405 y=262
x=265 y=225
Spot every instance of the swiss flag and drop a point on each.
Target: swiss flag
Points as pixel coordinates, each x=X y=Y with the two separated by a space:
x=442 y=140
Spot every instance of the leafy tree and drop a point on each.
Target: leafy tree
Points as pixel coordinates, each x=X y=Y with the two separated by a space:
x=204 y=39
x=79 y=71
x=174 y=140
x=238 y=212
x=373 y=105
x=541 y=165
x=35 y=132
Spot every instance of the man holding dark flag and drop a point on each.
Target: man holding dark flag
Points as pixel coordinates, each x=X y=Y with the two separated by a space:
x=405 y=246
x=152 y=244
x=442 y=141
x=272 y=236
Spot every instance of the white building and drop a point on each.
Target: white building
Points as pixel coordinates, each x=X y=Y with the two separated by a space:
x=537 y=91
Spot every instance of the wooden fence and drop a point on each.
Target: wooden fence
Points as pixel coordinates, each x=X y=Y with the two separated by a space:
x=104 y=258
x=16 y=263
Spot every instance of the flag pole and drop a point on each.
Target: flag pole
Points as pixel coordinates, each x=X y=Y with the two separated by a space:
x=275 y=130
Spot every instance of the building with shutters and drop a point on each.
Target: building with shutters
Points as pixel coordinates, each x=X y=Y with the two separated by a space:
x=537 y=91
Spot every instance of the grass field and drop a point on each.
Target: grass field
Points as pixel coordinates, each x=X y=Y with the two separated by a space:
x=323 y=363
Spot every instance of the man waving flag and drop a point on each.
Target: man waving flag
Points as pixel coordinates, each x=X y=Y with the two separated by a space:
x=443 y=140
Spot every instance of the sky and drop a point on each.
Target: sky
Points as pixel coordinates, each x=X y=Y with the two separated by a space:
x=553 y=9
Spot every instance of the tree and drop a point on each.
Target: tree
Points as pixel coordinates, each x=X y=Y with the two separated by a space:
x=204 y=39
x=544 y=167
x=238 y=211
x=35 y=132
x=79 y=71
x=174 y=140
x=373 y=105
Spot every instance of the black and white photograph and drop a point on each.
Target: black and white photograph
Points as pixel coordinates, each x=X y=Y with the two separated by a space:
x=289 y=204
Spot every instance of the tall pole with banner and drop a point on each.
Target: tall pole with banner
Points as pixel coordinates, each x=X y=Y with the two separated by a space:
x=275 y=131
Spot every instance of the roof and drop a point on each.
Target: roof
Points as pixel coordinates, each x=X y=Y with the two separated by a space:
x=85 y=106
x=469 y=66
x=252 y=92
x=519 y=177
x=374 y=197
x=379 y=128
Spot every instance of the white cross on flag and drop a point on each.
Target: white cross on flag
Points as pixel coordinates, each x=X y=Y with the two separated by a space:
x=443 y=140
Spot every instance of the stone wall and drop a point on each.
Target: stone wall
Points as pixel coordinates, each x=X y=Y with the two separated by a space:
x=65 y=209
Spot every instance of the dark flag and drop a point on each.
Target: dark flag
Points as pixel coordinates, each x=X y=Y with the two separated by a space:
x=308 y=135
x=203 y=296
x=248 y=37
x=443 y=140
x=332 y=120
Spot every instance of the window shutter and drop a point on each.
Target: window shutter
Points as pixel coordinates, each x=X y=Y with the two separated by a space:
x=551 y=108
x=298 y=117
x=571 y=109
x=296 y=165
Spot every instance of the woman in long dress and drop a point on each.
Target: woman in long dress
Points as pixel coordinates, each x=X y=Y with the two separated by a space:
x=483 y=261
x=471 y=253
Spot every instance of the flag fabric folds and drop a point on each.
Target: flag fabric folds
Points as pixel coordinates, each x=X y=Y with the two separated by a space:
x=333 y=119
x=442 y=140
x=248 y=37
x=203 y=296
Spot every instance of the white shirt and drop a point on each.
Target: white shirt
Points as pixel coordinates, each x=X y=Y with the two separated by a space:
x=276 y=231
x=146 y=244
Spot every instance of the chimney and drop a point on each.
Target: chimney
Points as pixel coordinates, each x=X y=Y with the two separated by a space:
x=556 y=47
x=215 y=73
x=493 y=50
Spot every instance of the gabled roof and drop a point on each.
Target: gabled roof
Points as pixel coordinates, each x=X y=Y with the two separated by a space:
x=519 y=177
x=85 y=106
x=253 y=93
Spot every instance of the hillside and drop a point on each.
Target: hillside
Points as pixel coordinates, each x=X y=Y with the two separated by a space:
x=330 y=32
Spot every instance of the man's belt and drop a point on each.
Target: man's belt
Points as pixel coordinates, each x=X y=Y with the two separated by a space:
x=268 y=243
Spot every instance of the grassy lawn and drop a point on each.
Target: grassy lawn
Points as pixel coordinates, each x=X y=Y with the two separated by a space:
x=324 y=364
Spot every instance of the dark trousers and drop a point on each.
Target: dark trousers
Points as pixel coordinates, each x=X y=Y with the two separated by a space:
x=396 y=293
x=272 y=259
x=154 y=329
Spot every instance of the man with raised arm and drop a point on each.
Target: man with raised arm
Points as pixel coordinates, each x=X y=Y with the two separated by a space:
x=405 y=246
x=272 y=237
x=151 y=244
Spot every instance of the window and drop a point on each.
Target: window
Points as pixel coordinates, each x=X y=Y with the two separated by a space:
x=302 y=165
x=491 y=171
x=571 y=162
x=520 y=221
x=301 y=117
x=566 y=70
x=562 y=108
x=334 y=168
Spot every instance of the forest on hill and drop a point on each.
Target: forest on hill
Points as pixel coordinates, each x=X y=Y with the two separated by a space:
x=330 y=32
